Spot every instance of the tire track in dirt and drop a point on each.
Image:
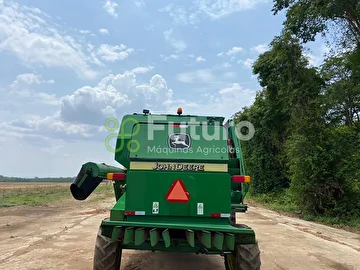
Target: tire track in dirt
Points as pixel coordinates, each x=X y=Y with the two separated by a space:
x=63 y=238
x=44 y=239
x=46 y=216
x=324 y=237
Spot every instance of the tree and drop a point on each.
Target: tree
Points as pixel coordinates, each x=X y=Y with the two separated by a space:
x=307 y=18
x=263 y=152
x=342 y=93
x=288 y=87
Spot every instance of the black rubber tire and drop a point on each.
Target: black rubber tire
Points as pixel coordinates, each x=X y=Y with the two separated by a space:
x=247 y=257
x=107 y=254
x=233 y=218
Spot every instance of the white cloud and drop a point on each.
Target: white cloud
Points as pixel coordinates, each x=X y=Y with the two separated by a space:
x=23 y=87
x=142 y=70
x=104 y=31
x=93 y=58
x=29 y=79
x=170 y=57
x=62 y=120
x=213 y=77
x=216 y=9
x=113 y=53
x=114 y=95
x=78 y=123
x=213 y=9
x=85 y=31
x=27 y=35
x=110 y=8
x=261 y=48
x=248 y=63
x=235 y=97
x=82 y=114
x=140 y=3
x=234 y=50
x=201 y=75
x=224 y=102
x=178 y=44
x=47 y=98
x=180 y=15
x=231 y=52
x=313 y=59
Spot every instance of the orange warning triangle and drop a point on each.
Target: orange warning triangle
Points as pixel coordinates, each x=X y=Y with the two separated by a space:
x=178 y=192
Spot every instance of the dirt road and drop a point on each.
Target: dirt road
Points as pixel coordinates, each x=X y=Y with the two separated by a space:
x=62 y=238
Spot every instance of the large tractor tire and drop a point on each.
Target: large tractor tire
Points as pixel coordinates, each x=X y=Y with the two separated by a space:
x=233 y=219
x=107 y=255
x=245 y=257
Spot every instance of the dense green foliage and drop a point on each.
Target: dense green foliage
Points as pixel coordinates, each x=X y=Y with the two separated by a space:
x=307 y=141
x=307 y=18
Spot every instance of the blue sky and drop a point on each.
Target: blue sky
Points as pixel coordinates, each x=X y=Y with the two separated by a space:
x=66 y=66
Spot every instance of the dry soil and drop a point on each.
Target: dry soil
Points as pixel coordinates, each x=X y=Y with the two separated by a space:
x=62 y=238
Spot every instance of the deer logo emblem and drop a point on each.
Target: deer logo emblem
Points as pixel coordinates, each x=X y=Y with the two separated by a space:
x=179 y=141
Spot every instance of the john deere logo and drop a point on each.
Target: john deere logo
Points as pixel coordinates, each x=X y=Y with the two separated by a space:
x=179 y=141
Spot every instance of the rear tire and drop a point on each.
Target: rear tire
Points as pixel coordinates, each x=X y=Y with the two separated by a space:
x=107 y=254
x=233 y=218
x=245 y=257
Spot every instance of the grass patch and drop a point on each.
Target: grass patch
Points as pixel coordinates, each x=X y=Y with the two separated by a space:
x=281 y=202
x=284 y=204
x=45 y=195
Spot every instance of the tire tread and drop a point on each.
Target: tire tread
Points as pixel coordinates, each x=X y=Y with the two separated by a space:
x=107 y=254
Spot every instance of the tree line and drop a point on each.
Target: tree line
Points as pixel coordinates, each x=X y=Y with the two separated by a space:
x=306 y=147
x=37 y=179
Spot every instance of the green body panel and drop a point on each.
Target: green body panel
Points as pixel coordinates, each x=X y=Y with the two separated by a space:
x=144 y=147
x=157 y=147
x=211 y=189
x=127 y=129
x=118 y=211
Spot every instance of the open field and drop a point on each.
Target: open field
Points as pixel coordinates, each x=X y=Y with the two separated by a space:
x=42 y=194
x=60 y=234
x=17 y=185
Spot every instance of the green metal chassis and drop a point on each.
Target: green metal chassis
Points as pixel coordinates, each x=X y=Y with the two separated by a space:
x=175 y=234
x=204 y=238
x=172 y=234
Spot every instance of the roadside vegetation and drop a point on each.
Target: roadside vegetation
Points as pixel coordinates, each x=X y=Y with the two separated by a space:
x=305 y=155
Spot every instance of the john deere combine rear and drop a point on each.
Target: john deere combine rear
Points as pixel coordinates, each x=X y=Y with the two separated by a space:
x=183 y=182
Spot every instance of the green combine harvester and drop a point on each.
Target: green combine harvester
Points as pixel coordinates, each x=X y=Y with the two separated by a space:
x=181 y=183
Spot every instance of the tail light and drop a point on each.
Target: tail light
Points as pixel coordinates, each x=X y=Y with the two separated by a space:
x=241 y=179
x=116 y=176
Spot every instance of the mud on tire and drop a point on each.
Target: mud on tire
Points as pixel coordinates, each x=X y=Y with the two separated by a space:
x=107 y=254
